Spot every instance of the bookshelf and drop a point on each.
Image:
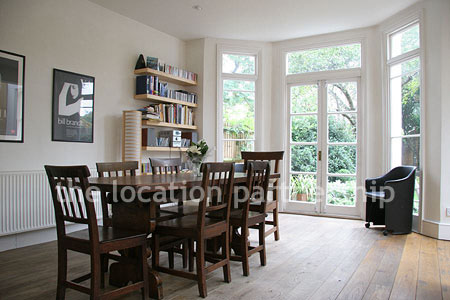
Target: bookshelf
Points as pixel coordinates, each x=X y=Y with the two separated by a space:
x=156 y=98
x=165 y=77
x=132 y=122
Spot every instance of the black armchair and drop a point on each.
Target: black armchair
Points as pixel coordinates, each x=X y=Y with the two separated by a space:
x=390 y=200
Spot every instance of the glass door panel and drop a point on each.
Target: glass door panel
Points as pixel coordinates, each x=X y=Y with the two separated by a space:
x=342 y=139
x=304 y=125
x=323 y=148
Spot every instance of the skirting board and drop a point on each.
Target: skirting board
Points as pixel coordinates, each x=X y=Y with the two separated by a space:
x=24 y=239
x=436 y=230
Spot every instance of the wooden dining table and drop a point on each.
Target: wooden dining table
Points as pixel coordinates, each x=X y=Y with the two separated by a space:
x=141 y=215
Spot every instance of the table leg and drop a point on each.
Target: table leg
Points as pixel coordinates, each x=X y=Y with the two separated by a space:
x=122 y=273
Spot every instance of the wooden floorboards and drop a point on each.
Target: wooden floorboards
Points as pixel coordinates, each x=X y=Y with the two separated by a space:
x=316 y=258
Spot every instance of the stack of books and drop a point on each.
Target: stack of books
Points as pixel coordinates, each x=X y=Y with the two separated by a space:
x=150 y=113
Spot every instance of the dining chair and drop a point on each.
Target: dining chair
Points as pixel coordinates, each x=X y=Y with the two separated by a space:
x=258 y=175
x=129 y=168
x=274 y=157
x=113 y=169
x=73 y=202
x=217 y=187
x=172 y=166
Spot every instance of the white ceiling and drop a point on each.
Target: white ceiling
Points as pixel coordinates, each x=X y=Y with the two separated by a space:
x=259 y=20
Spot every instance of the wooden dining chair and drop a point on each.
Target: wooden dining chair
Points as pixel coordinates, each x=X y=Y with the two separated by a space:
x=274 y=157
x=172 y=166
x=113 y=169
x=129 y=168
x=258 y=175
x=217 y=187
x=73 y=202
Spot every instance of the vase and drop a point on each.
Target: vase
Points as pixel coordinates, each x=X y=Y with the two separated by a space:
x=196 y=166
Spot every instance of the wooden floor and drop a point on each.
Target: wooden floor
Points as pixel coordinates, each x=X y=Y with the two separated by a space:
x=316 y=258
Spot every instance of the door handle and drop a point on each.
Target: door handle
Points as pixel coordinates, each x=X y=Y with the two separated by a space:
x=320 y=155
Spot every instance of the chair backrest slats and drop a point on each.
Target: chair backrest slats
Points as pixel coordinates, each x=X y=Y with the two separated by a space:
x=70 y=184
x=114 y=169
x=258 y=176
x=165 y=165
x=217 y=185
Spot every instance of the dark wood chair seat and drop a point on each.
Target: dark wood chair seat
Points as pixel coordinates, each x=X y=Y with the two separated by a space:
x=253 y=218
x=181 y=210
x=186 y=226
x=105 y=234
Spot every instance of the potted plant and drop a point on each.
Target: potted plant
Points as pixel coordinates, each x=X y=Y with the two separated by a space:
x=302 y=188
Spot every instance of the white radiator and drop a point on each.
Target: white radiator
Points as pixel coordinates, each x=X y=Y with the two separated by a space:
x=26 y=203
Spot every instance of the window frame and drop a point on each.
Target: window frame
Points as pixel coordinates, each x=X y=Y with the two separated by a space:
x=400 y=26
x=221 y=77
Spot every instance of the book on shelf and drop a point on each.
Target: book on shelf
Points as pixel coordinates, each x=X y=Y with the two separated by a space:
x=146 y=168
x=152 y=63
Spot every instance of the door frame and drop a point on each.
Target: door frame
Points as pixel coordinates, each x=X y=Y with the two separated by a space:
x=322 y=79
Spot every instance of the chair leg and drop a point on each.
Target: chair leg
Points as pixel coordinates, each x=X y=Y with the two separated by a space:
x=155 y=251
x=200 y=259
x=185 y=254
x=275 y=223
x=171 y=259
x=262 y=242
x=244 y=251
x=145 y=289
x=191 y=255
x=62 y=273
x=226 y=256
x=104 y=269
x=95 y=276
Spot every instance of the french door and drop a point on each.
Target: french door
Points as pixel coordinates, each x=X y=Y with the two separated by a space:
x=323 y=152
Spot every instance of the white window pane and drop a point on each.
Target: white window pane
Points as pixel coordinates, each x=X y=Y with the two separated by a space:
x=238 y=64
x=405 y=40
x=324 y=59
x=304 y=98
x=238 y=85
x=405 y=151
x=405 y=98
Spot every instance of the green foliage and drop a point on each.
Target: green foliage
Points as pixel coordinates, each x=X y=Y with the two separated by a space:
x=324 y=59
x=341 y=191
x=303 y=184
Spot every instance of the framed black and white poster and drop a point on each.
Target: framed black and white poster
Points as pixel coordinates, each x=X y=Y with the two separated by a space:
x=73 y=107
x=12 y=91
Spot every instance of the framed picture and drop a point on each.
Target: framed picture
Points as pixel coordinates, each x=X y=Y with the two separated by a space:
x=73 y=107
x=12 y=94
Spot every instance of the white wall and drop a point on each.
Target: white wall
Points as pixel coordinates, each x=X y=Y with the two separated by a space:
x=82 y=37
